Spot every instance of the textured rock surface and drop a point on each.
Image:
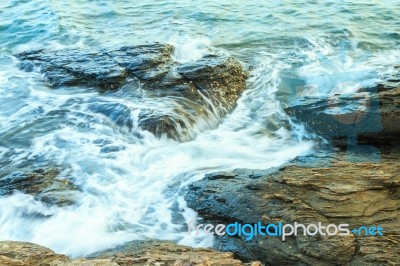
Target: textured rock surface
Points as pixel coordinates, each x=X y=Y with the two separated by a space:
x=43 y=184
x=133 y=253
x=23 y=253
x=331 y=191
x=212 y=83
x=166 y=253
x=106 y=69
x=367 y=117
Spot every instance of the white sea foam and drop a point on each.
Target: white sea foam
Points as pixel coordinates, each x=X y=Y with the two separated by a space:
x=130 y=187
x=345 y=70
x=190 y=49
x=130 y=182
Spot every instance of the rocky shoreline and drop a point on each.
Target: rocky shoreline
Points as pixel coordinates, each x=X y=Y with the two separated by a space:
x=201 y=89
x=141 y=253
x=353 y=178
x=328 y=189
x=355 y=181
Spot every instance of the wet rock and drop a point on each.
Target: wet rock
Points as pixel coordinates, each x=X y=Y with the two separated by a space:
x=133 y=253
x=42 y=183
x=367 y=117
x=325 y=188
x=107 y=69
x=211 y=83
x=218 y=77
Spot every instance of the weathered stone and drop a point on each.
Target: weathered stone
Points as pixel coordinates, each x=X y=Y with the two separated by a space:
x=150 y=252
x=366 y=117
x=107 y=69
x=211 y=83
x=41 y=183
x=332 y=191
x=133 y=253
x=23 y=253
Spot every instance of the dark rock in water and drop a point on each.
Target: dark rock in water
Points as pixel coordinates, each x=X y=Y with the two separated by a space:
x=107 y=69
x=307 y=191
x=212 y=80
x=43 y=184
x=366 y=117
x=132 y=253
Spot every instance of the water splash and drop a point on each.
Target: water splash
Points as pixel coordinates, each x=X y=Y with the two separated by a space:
x=190 y=49
x=130 y=181
x=130 y=184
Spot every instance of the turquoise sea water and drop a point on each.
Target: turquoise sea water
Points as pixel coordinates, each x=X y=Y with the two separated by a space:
x=130 y=187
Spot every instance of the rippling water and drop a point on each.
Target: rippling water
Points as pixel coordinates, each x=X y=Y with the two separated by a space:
x=130 y=186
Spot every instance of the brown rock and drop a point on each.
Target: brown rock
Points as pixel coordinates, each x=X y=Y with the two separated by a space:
x=23 y=253
x=162 y=253
x=335 y=191
x=165 y=253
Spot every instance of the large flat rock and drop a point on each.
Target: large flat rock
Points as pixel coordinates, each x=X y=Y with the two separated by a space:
x=312 y=189
x=141 y=253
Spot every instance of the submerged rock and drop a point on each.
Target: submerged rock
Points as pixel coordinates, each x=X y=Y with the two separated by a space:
x=43 y=184
x=133 y=253
x=308 y=190
x=212 y=83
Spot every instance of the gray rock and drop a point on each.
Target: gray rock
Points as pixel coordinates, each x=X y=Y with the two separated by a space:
x=106 y=69
x=220 y=79
x=42 y=183
x=367 y=117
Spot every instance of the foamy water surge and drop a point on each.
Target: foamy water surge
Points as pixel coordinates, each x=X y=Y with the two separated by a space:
x=131 y=183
